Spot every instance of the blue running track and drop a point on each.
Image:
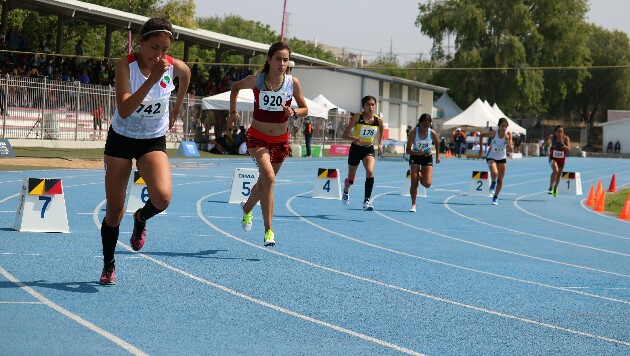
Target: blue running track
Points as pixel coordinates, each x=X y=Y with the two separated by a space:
x=534 y=275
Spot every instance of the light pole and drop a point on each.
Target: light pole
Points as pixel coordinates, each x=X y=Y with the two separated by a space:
x=284 y=15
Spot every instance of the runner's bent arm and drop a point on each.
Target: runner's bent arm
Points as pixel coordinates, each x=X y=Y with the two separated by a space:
x=246 y=83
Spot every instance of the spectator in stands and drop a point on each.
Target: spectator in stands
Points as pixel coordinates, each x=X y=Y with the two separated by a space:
x=3 y=47
x=308 y=135
x=541 y=150
x=97 y=119
x=85 y=77
x=143 y=116
x=46 y=44
x=443 y=145
x=78 y=48
x=517 y=142
x=617 y=147
x=609 y=148
x=459 y=139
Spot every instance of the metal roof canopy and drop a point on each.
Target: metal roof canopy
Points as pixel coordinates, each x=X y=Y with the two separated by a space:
x=103 y=15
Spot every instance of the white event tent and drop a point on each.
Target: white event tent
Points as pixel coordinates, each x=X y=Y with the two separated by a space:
x=476 y=115
x=245 y=102
x=322 y=100
x=514 y=127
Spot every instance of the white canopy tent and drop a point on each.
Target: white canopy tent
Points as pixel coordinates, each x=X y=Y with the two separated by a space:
x=448 y=106
x=476 y=115
x=322 y=100
x=514 y=127
x=245 y=102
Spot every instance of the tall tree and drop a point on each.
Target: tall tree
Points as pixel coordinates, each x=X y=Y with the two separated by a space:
x=609 y=84
x=498 y=42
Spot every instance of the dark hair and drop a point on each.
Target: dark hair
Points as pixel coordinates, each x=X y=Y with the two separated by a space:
x=424 y=117
x=366 y=99
x=155 y=26
x=278 y=46
x=558 y=127
x=502 y=120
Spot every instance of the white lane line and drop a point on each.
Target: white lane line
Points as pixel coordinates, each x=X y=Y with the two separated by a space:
x=35 y=303
x=527 y=233
x=9 y=197
x=495 y=248
x=111 y=337
x=250 y=298
x=383 y=284
x=437 y=261
x=516 y=204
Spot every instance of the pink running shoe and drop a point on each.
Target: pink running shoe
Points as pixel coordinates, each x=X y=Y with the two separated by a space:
x=139 y=235
x=108 y=276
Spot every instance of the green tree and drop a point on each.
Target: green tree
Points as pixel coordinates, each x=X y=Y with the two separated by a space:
x=609 y=84
x=499 y=44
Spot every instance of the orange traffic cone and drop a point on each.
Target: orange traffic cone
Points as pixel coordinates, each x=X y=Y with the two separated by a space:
x=625 y=212
x=599 y=189
x=613 y=184
x=590 y=201
x=448 y=153
x=599 y=204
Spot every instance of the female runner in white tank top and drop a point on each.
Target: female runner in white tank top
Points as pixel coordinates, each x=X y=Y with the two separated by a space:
x=500 y=146
x=419 y=148
x=144 y=82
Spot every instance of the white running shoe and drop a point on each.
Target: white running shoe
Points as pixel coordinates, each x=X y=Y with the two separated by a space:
x=413 y=208
x=247 y=219
x=367 y=206
x=345 y=197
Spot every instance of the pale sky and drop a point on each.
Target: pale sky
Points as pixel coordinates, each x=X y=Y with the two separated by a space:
x=369 y=26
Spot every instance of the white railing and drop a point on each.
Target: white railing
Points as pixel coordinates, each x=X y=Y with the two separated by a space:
x=38 y=108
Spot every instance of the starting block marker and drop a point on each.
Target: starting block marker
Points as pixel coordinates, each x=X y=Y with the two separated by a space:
x=422 y=191
x=570 y=183
x=42 y=206
x=327 y=184
x=479 y=184
x=138 y=194
x=187 y=148
x=243 y=180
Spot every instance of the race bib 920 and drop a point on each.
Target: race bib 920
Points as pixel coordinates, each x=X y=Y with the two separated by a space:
x=272 y=100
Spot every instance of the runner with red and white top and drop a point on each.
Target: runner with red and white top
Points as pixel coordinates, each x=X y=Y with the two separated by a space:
x=268 y=136
x=559 y=149
x=144 y=82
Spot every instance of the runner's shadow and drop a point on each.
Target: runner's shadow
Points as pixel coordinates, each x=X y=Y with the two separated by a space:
x=77 y=287
x=200 y=254
x=319 y=217
x=6 y=229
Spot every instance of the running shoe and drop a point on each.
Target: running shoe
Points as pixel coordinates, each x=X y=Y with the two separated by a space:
x=493 y=187
x=139 y=234
x=269 y=241
x=345 y=197
x=367 y=206
x=550 y=191
x=247 y=219
x=555 y=192
x=495 y=201
x=108 y=276
x=413 y=208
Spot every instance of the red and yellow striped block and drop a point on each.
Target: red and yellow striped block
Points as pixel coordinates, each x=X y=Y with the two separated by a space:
x=479 y=175
x=568 y=175
x=41 y=186
x=327 y=173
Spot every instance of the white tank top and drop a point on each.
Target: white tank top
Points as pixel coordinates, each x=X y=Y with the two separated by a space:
x=422 y=144
x=498 y=147
x=150 y=119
